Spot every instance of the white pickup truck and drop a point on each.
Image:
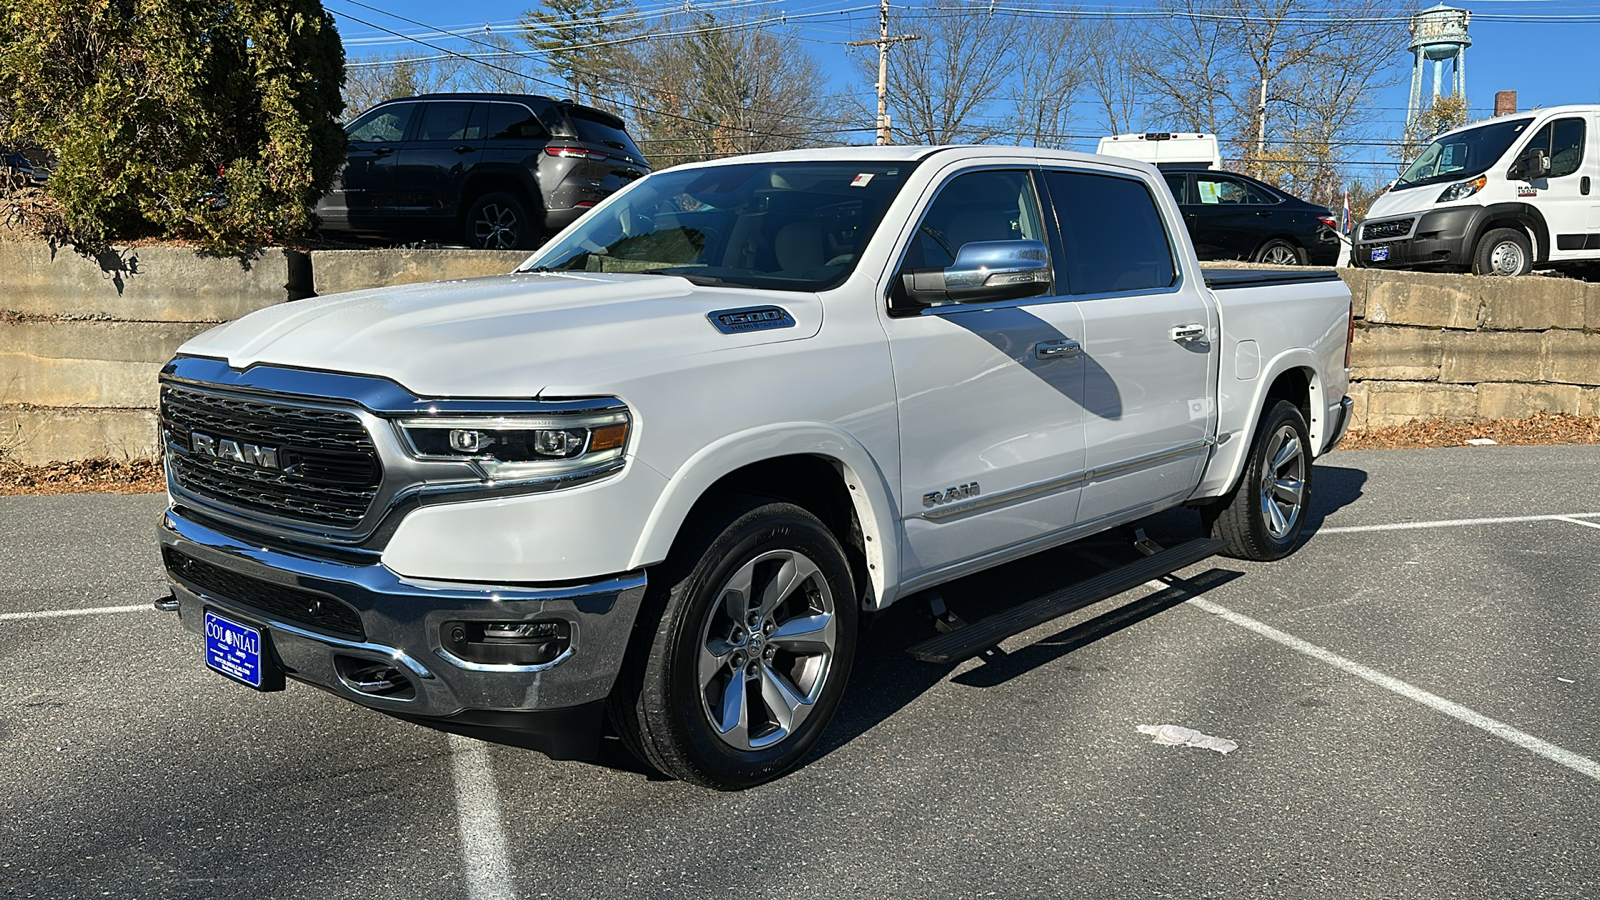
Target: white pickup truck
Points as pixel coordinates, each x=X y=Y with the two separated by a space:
x=660 y=471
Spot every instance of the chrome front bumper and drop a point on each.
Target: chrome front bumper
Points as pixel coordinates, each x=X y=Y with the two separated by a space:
x=403 y=620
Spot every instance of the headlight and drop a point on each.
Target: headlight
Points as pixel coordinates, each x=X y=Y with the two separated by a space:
x=1462 y=189
x=509 y=447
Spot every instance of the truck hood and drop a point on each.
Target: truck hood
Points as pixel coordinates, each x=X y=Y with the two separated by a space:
x=503 y=336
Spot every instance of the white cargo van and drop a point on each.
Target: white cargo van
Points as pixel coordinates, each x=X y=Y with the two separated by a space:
x=1164 y=149
x=1495 y=197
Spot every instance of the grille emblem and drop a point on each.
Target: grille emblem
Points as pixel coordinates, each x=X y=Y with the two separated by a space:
x=225 y=448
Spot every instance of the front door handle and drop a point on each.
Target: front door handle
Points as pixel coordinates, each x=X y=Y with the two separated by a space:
x=1188 y=333
x=1583 y=186
x=464 y=148
x=1264 y=213
x=382 y=151
x=1062 y=349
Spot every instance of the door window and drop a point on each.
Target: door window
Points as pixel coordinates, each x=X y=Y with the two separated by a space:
x=1562 y=141
x=445 y=122
x=383 y=125
x=511 y=121
x=1175 y=184
x=1112 y=235
x=976 y=206
x=1224 y=191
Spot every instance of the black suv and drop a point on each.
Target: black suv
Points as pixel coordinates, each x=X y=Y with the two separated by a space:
x=495 y=171
x=1232 y=216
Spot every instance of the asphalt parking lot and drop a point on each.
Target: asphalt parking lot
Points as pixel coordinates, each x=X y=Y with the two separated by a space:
x=1413 y=695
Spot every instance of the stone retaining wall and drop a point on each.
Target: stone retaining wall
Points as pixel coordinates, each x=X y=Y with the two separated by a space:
x=82 y=339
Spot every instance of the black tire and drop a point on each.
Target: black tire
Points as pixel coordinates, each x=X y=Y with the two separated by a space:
x=663 y=703
x=1243 y=517
x=1503 y=251
x=1282 y=250
x=500 y=220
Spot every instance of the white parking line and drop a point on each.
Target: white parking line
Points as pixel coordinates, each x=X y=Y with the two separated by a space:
x=484 y=860
x=91 y=611
x=1583 y=765
x=1579 y=521
x=1452 y=523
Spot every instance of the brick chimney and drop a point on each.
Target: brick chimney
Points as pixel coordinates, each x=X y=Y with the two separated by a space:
x=1505 y=103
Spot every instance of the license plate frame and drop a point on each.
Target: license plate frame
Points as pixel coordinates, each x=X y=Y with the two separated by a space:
x=241 y=652
x=1380 y=254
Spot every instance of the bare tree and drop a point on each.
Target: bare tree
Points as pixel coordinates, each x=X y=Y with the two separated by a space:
x=729 y=85
x=1111 y=51
x=941 y=85
x=371 y=81
x=1048 y=75
x=1186 y=66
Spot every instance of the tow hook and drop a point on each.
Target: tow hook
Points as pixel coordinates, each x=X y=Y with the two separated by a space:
x=169 y=603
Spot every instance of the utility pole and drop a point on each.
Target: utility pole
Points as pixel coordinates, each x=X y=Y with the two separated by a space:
x=882 y=43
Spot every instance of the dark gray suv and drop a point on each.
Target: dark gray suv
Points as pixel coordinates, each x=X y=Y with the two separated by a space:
x=496 y=171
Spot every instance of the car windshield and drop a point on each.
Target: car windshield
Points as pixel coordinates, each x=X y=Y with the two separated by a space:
x=1462 y=155
x=796 y=226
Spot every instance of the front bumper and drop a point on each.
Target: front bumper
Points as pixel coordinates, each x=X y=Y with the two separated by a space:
x=1441 y=238
x=401 y=623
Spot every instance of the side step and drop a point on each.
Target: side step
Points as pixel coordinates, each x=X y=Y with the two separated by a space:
x=979 y=636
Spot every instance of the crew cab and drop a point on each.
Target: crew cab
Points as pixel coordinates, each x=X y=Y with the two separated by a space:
x=661 y=471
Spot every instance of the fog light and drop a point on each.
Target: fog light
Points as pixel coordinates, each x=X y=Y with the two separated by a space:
x=507 y=643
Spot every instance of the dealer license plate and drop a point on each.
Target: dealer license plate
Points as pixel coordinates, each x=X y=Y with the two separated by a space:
x=1379 y=254
x=237 y=651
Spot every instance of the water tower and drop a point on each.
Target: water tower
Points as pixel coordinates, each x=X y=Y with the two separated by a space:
x=1439 y=36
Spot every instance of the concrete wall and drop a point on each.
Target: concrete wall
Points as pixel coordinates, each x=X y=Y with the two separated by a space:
x=82 y=338
x=1462 y=347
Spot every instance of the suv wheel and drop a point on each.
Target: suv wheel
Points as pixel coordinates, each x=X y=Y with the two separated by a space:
x=741 y=653
x=499 y=221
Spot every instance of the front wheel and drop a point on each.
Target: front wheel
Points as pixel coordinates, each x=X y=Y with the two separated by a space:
x=1264 y=514
x=742 y=652
x=1503 y=251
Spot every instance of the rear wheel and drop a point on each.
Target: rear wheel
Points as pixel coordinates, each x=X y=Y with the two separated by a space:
x=743 y=649
x=1264 y=514
x=1279 y=252
x=1503 y=251
x=499 y=220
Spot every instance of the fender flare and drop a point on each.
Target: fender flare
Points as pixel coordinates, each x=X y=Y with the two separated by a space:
x=1233 y=454
x=870 y=492
x=1525 y=214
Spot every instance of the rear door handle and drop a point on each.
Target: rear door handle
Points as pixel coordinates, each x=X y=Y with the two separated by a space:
x=464 y=149
x=1583 y=186
x=1188 y=333
x=1062 y=349
x=382 y=151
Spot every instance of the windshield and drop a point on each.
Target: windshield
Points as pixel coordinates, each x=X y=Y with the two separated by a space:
x=795 y=226
x=1463 y=154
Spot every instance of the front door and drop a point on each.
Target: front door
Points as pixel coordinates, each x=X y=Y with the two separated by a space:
x=1149 y=343
x=367 y=181
x=1567 y=195
x=990 y=395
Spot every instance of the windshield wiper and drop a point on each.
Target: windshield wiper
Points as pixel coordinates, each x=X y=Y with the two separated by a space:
x=692 y=279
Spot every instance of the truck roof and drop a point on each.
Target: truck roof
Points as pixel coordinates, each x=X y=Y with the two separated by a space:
x=918 y=153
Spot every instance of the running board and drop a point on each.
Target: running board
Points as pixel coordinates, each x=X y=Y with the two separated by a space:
x=979 y=636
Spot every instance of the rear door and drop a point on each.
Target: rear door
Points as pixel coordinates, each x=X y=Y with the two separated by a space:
x=1230 y=216
x=433 y=164
x=990 y=394
x=1149 y=340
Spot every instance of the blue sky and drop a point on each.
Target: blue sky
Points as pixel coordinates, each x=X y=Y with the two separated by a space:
x=1548 y=60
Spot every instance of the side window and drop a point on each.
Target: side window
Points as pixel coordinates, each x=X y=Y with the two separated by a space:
x=1175 y=184
x=383 y=125
x=1112 y=235
x=1562 y=141
x=1255 y=193
x=444 y=122
x=1225 y=191
x=511 y=121
x=976 y=206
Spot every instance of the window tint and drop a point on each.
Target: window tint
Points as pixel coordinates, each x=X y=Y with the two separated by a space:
x=511 y=121
x=1112 y=236
x=386 y=124
x=1223 y=190
x=977 y=206
x=1562 y=141
x=444 y=122
x=1175 y=184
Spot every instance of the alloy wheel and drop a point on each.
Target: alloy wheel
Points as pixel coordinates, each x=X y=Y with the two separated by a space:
x=496 y=227
x=1283 y=483
x=1281 y=256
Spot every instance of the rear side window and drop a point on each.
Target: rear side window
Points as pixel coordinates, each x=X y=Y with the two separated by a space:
x=1112 y=235
x=1175 y=184
x=594 y=129
x=445 y=122
x=1215 y=189
x=511 y=121
x=386 y=124
x=1562 y=141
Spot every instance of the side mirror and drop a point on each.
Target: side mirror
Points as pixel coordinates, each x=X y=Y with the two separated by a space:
x=983 y=271
x=1530 y=165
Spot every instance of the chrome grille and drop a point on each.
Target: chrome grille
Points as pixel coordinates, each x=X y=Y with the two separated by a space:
x=326 y=473
x=1378 y=231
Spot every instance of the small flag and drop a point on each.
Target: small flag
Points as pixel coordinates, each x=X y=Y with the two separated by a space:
x=1346 y=225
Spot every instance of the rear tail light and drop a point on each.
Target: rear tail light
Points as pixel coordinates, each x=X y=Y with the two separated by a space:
x=1329 y=221
x=576 y=153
